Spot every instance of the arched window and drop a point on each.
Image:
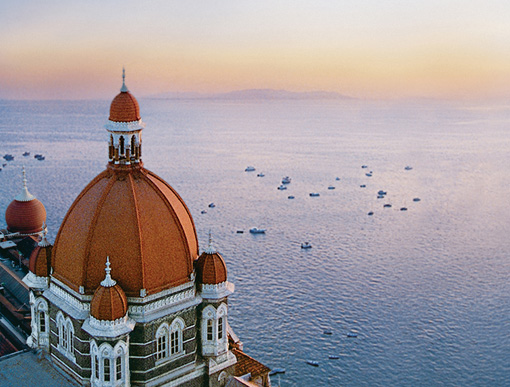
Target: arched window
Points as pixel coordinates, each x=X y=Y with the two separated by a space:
x=176 y=331
x=41 y=316
x=162 y=341
x=65 y=335
x=133 y=145
x=121 y=145
x=210 y=330
x=109 y=365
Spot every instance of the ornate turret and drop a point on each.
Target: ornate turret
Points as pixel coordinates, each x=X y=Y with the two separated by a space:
x=125 y=128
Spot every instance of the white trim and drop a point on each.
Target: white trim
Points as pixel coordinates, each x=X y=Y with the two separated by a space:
x=66 y=302
x=164 y=307
x=124 y=127
x=35 y=282
x=108 y=329
x=215 y=292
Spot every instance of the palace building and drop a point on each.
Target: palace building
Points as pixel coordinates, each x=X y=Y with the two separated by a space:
x=124 y=297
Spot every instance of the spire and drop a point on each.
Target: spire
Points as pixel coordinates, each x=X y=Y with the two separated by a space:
x=24 y=196
x=108 y=282
x=44 y=242
x=210 y=249
x=124 y=88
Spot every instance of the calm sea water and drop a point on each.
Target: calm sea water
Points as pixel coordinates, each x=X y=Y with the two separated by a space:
x=426 y=290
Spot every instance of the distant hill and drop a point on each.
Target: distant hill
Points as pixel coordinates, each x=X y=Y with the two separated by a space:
x=254 y=94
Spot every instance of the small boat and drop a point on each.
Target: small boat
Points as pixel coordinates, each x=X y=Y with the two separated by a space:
x=416 y=199
x=368 y=174
x=282 y=187
x=203 y=212
x=387 y=206
x=362 y=186
x=403 y=209
x=260 y=174
x=290 y=197
x=408 y=168
x=286 y=180
x=8 y=157
x=327 y=332
x=249 y=169
x=370 y=213
x=314 y=194
x=381 y=192
x=337 y=179
x=26 y=154
x=275 y=371
x=314 y=363
x=256 y=230
x=212 y=205
x=380 y=196
x=331 y=187
x=240 y=231
x=39 y=157
x=352 y=334
x=334 y=357
x=306 y=245
x=364 y=166
x=4 y=165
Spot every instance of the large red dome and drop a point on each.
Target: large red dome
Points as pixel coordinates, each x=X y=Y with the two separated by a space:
x=25 y=217
x=134 y=217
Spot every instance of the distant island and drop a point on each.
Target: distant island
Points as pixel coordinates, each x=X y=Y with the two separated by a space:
x=253 y=94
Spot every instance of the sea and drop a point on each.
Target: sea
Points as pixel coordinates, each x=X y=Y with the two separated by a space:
x=425 y=291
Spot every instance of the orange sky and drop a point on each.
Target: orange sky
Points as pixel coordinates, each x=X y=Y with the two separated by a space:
x=58 y=49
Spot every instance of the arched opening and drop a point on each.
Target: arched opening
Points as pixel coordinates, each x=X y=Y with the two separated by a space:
x=121 y=145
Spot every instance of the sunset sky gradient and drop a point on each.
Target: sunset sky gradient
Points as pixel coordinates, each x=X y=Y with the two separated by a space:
x=366 y=48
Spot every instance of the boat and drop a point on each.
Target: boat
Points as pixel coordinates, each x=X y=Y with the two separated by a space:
x=331 y=187
x=203 y=212
x=8 y=157
x=249 y=169
x=327 y=332
x=212 y=205
x=363 y=186
x=275 y=371
x=370 y=213
x=352 y=334
x=387 y=206
x=381 y=192
x=334 y=357
x=314 y=363
x=403 y=209
x=240 y=231
x=314 y=194
x=364 y=166
x=368 y=174
x=337 y=179
x=290 y=197
x=39 y=157
x=26 y=153
x=260 y=174
x=286 y=180
x=256 y=230
x=416 y=199
x=306 y=245
x=282 y=187
x=408 y=168
x=380 y=196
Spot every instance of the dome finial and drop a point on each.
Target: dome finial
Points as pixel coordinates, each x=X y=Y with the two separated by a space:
x=108 y=282
x=124 y=88
x=24 y=196
x=44 y=242
x=210 y=249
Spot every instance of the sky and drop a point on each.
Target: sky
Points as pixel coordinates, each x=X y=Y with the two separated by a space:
x=56 y=49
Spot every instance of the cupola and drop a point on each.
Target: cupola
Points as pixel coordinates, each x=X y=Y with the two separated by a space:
x=109 y=302
x=26 y=213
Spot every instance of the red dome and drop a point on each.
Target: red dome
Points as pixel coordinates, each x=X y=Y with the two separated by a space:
x=25 y=217
x=211 y=269
x=40 y=260
x=124 y=108
x=134 y=217
x=109 y=303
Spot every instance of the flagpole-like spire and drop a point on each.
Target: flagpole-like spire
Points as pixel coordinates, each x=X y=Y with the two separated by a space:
x=124 y=88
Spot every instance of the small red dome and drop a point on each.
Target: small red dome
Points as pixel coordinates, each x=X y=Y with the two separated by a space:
x=124 y=108
x=40 y=260
x=211 y=268
x=109 y=303
x=25 y=217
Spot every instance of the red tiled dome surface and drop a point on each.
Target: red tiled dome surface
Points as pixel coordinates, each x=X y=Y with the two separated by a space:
x=124 y=108
x=135 y=218
x=40 y=260
x=211 y=269
x=25 y=217
x=109 y=303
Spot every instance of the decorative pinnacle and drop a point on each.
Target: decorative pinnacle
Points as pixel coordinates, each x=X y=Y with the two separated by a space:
x=210 y=249
x=24 y=196
x=124 y=88
x=108 y=282
x=44 y=242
